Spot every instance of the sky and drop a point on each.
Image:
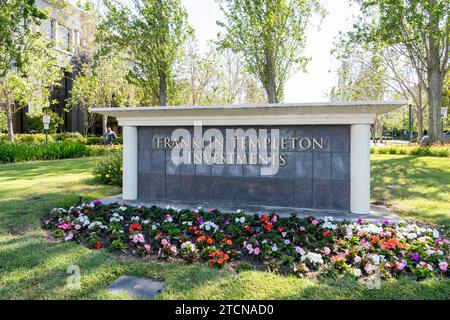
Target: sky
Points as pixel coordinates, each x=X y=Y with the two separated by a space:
x=316 y=83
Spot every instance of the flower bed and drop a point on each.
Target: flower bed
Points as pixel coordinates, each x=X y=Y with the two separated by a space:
x=288 y=245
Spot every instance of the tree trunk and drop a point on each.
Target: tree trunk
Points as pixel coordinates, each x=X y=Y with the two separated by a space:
x=419 y=115
x=104 y=123
x=434 y=104
x=270 y=83
x=9 y=117
x=162 y=99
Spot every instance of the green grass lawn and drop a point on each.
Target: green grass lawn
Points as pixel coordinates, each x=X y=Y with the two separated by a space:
x=34 y=266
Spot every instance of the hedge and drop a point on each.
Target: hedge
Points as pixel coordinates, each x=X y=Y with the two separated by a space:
x=413 y=150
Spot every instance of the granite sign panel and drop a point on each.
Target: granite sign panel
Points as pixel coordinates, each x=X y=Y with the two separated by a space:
x=302 y=166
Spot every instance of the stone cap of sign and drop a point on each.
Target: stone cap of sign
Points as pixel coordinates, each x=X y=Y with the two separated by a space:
x=355 y=112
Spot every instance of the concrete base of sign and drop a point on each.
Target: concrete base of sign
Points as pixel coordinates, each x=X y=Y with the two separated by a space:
x=377 y=213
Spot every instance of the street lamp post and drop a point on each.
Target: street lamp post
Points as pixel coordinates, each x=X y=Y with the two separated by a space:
x=46 y=121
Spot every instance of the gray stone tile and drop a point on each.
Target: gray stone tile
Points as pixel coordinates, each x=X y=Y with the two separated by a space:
x=136 y=286
x=158 y=186
x=340 y=194
x=173 y=187
x=324 y=133
x=303 y=165
x=203 y=169
x=340 y=166
x=235 y=170
x=268 y=195
x=322 y=194
x=288 y=170
x=171 y=168
x=251 y=190
x=187 y=169
x=202 y=187
x=219 y=188
x=187 y=185
x=251 y=171
x=219 y=170
x=158 y=161
x=340 y=138
x=285 y=194
x=144 y=186
x=321 y=165
x=144 y=161
x=303 y=193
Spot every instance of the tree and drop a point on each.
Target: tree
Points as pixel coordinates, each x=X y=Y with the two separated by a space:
x=153 y=33
x=393 y=70
x=103 y=84
x=360 y=77
x=16 y=37
x=31 y=84
x=417 y=29
x=271 y=36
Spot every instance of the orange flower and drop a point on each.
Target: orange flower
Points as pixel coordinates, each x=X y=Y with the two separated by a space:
x=209 y=241
x=220 y=261
x=229 y=242
x=268 y=226
x=264 y=218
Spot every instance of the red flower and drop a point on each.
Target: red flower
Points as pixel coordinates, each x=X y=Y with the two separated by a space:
x=280 y=229
x=135 y=226
x=211 y=262
x=247 y=228
x=86 y=211
x=220 y=261
x=327 y=233
x=229 y=242
x=226 y=256
x=264 y=218
x=209 y=241
x=268 y=226
x=201 y=239
x=98 y=245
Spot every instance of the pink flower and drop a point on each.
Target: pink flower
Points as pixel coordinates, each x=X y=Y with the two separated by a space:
x=274 y=219
x=399 y=265
x=164 y=242
x=302 y=228
x=77 y=227
x=443 y=266
x=68 y=237
x=326 y=250
x=368 y=267
x=284 y=234
x=147 y=247
x=357 y=259
x=256 y=251
x=315 y=222
x=138 y=238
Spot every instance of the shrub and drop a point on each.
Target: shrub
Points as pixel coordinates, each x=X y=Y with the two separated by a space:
x=35 y=124
x=101 y=150
x=19 y=152
x=434 y=151
x=99 y=140
x=27 y=138
x=2 y=122
x=69 y=136
x=108 y=170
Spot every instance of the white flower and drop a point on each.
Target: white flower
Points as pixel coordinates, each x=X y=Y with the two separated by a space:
x=241 y=220
x=376 y=259
x=300 y=250
x=207 y=225
x=274 y=247
x=312 y=257
x=238 y=211
x=435 y=233
x=357 y=272
x=122 y=208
